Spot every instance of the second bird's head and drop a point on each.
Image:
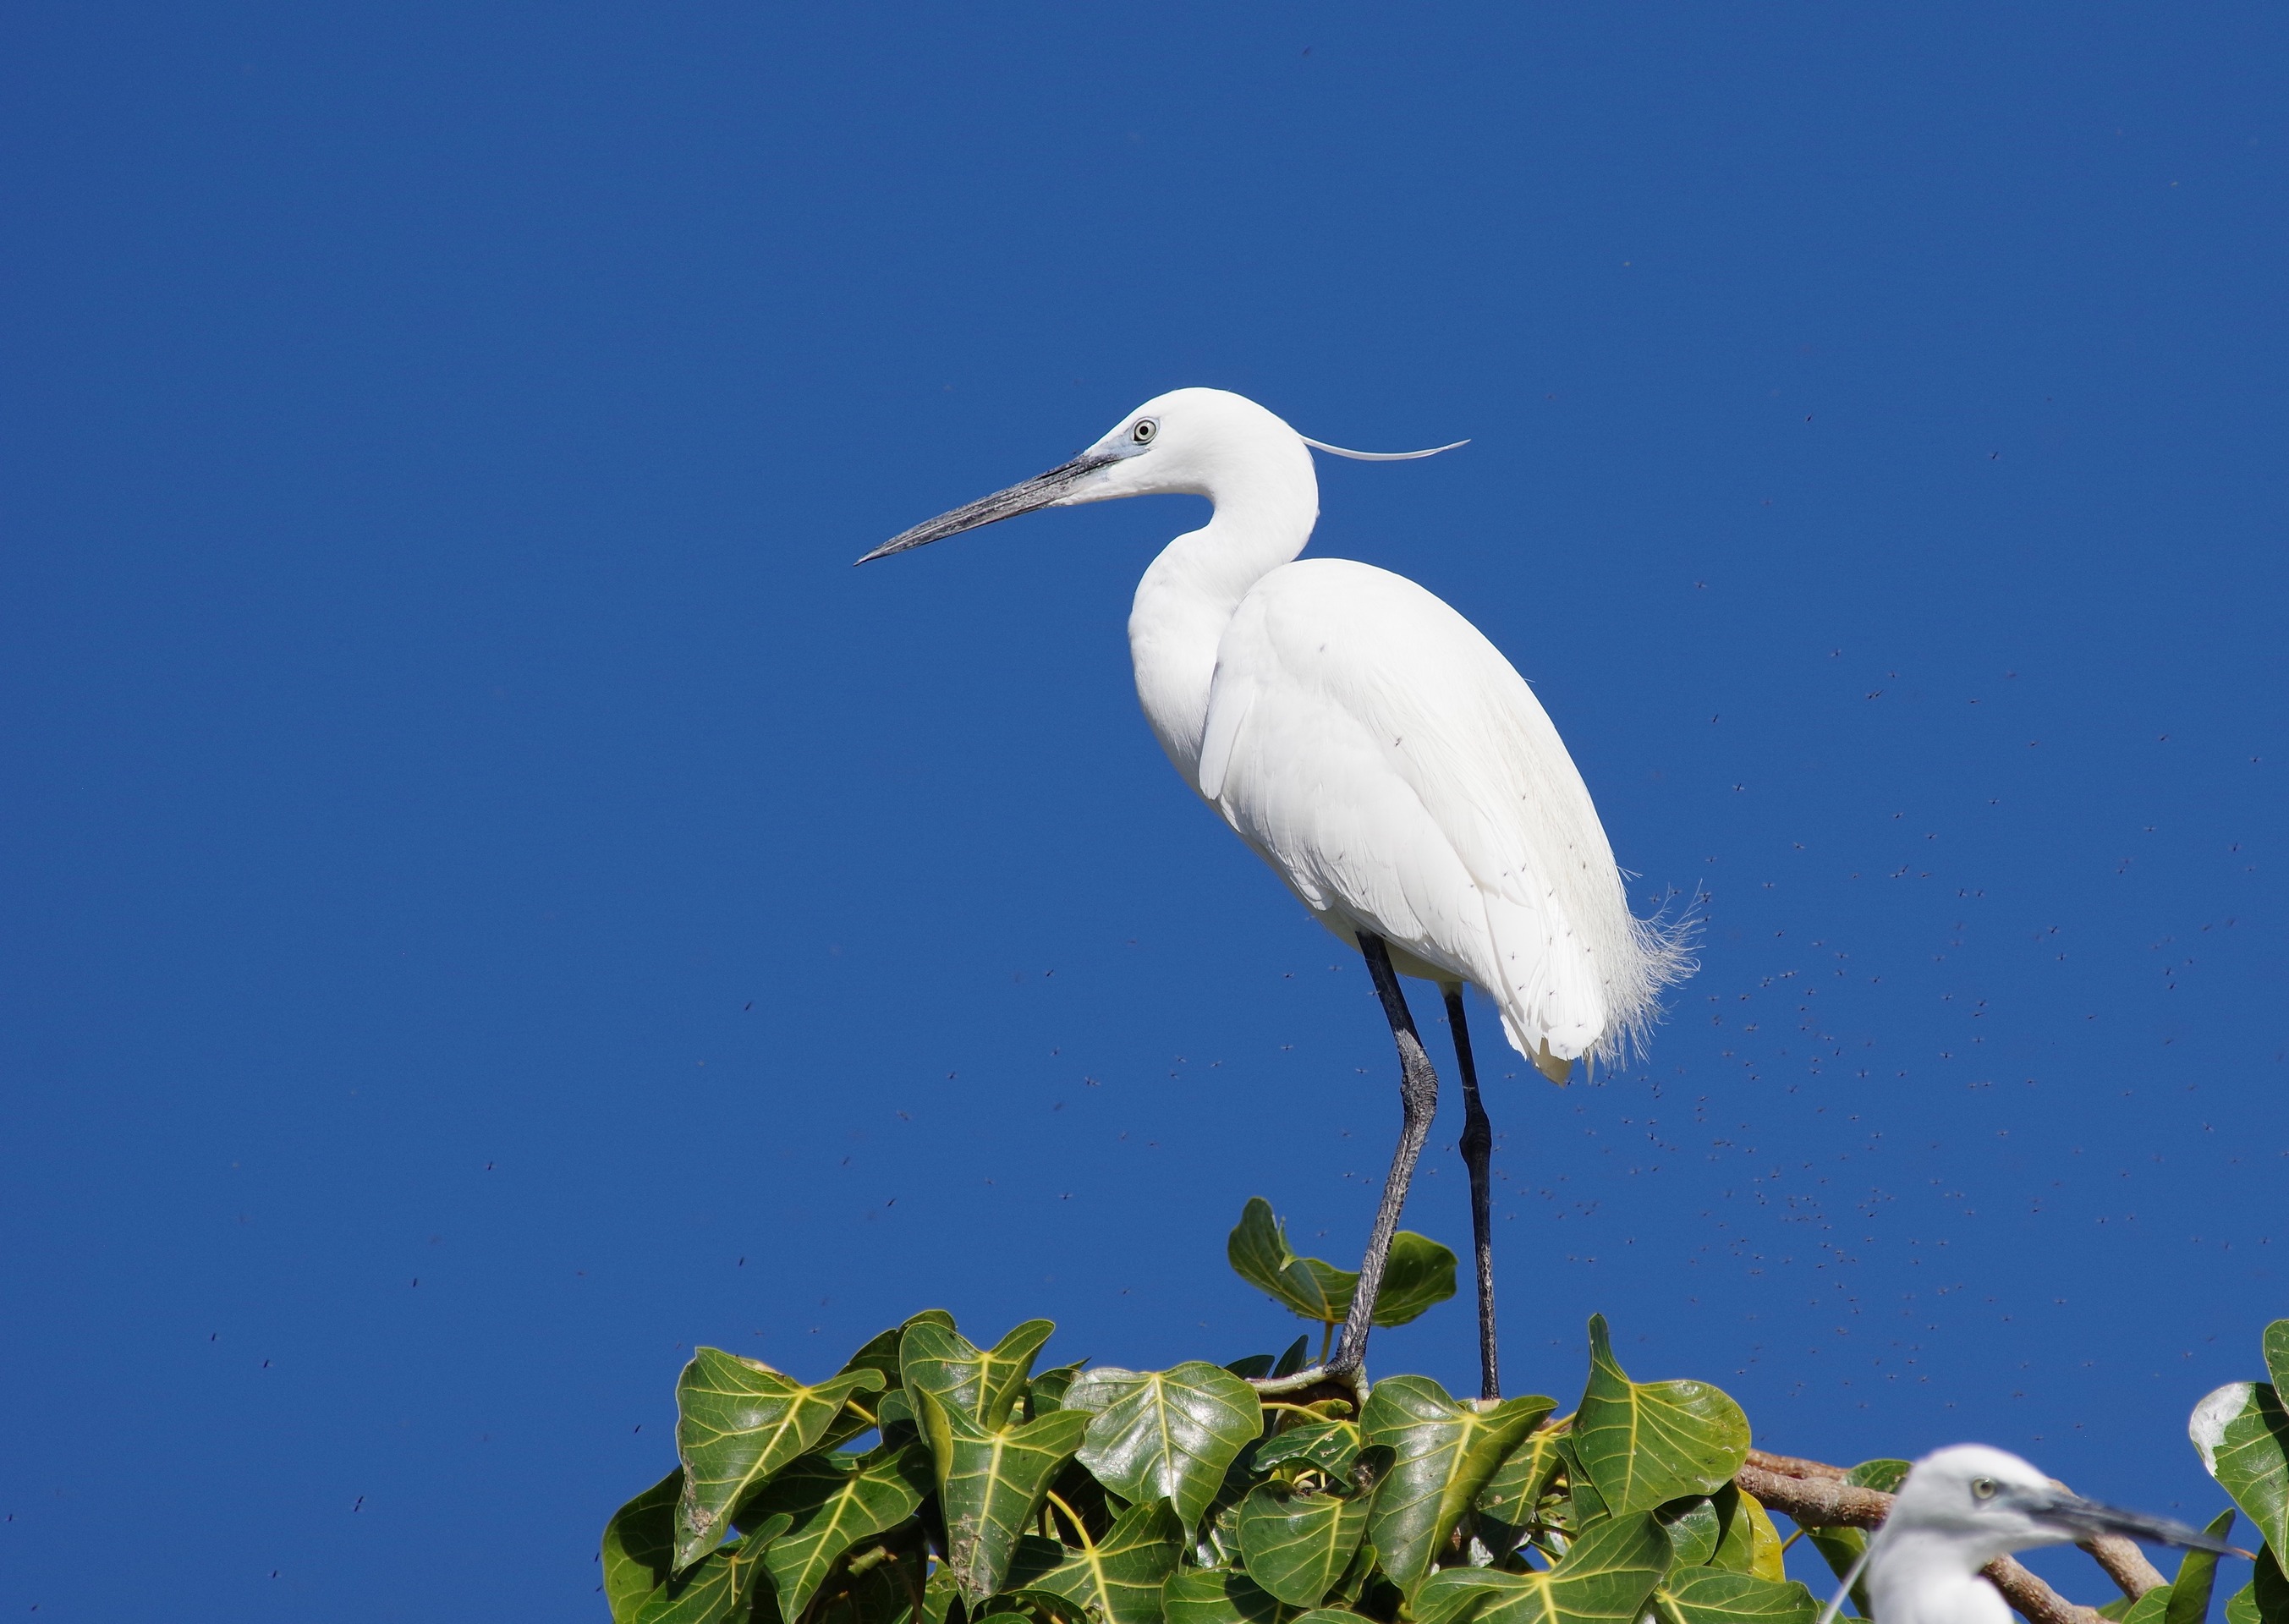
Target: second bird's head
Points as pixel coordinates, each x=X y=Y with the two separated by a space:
x=1186 y=442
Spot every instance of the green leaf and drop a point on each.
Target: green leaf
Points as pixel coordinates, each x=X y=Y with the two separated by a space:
x=1047 y=1391
x=639 y=1547
x=1694 y=1528
x=2264 y=1599
x=1751 y=1545
x=2277 y=1353
x=1328 y=1447
x=2244 y=1439
x=738 y=1421
x=1254 y=1365
x=2190 y=1591
x=720 y=1587
x=835 y=1502
x=982 y=1384
x=1166 y=1435
x=1518 y=1486
x=1118 y=1580
x=1219 y=1595
x=2149 y=1608
x=1418 y=1273
x=1297 y=1545
x=1841 y=1549
x=991 y=1482
x=1584 y=1504
x=1444 y=1453
x=1330 y=1615
x=1642 y=1443
x=1712 y=1595
x=1884 y=1474
x=1605 y=1579
x=882 y=1593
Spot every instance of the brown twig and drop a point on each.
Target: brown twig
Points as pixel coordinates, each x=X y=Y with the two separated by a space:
x=1814 y=1495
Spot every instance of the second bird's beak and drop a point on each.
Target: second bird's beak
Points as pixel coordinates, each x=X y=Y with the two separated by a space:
x=1043 y=490
x=2087 y=1518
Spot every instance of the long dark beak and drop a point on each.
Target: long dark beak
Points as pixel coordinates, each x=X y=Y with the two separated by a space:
x=1041 y=491
x=2086 y=1517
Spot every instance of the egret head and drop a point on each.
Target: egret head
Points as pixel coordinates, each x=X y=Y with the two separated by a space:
x=1207 y=443
x=1997 y=1502
x=1964 y=1506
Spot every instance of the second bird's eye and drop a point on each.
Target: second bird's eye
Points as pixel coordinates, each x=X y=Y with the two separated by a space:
x=1144 y=432
x=1982 y=1488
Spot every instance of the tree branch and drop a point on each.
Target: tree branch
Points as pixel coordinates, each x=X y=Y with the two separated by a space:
x=1812 y=1494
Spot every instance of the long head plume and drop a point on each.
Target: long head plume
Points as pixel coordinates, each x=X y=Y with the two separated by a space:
x=1336 y=451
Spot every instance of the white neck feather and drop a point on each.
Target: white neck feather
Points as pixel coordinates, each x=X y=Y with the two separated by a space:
x=1266 y=500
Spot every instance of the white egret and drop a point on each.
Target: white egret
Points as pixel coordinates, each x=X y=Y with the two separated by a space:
x=1959 y=1510
x=1372 y=747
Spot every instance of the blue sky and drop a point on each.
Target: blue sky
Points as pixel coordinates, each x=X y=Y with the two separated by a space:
x=494 y=899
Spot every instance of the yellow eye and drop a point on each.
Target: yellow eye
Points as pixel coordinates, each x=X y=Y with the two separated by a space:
x=1982 y=1488
x=1144 y=432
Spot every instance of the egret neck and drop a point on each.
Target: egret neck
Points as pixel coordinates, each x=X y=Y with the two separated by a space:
x=1266 y=500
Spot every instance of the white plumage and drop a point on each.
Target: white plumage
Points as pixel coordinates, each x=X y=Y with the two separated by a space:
x=1372 y=747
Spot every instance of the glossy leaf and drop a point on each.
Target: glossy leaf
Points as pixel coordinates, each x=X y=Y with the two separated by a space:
x=2149 y=1608
x=1841 y=1549
x=1643 y=1443
x=1219 y=1595
x=1166 y=1435
x=1751 y=1545
x=2265 y=1598
x=1328 y=1447
x=1418 y=1273
x=1047 y=1391
x=2243 y=1439
x=1607 y=1578
x=1443 y=1454
x=1518 y=1486
x=1118 y=1580
x=721 y=1586
x=1297 y=1546
x=991 y=1482
x=2276 y=1342
x=1330 y=1615
x=1714 y=1596
x=982 y=1384
x=738 y=1421
x=1694 y=1528
x=836 y=1502
x=639 y=1547
x=2190 y=1591
x=1883 y=1474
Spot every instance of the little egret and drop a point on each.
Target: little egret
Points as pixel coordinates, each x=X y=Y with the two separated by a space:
x=1963 y=1507
x=1372 y=747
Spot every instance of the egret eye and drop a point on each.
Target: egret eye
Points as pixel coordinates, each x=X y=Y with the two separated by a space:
x=1982 y=1488
x=1144 y=432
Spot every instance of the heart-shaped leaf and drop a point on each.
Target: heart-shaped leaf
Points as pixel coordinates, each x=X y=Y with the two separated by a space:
x=2243 y=1439
x=1117 y=1580
x=1714 y=1596
x=1418 y=1273
x=738 y=1421
x=720 y=1587
x=991 y=1482
x=880 y=1353
x=639 y=1547
x=1219 y=1595
x=1605 y=1579
x=1443 y=1454
x=1643 y=1443
x=835 y=1502
x=1166 y=1435
x=1297 y=1545
x=980 y=1383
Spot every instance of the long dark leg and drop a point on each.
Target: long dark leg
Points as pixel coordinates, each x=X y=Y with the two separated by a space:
x=1418 y=1100
x=1478 y=1145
